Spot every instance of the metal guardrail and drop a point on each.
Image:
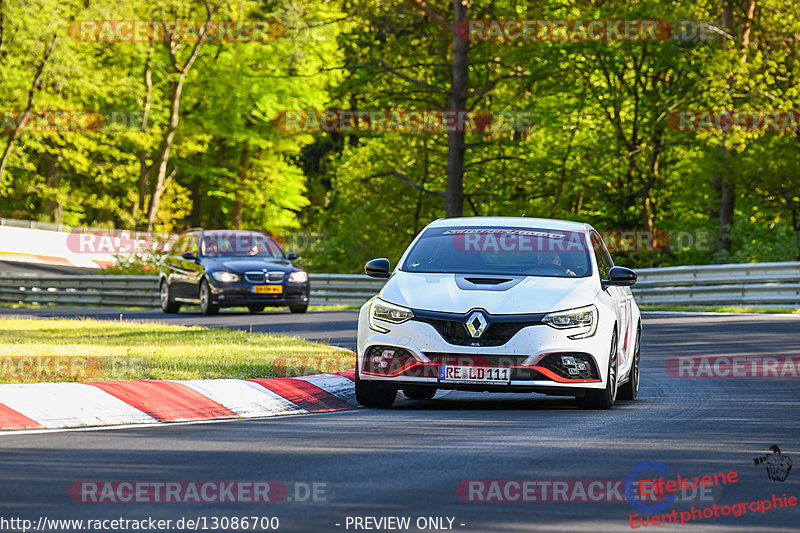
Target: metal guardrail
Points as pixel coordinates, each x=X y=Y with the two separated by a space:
x=751 y=284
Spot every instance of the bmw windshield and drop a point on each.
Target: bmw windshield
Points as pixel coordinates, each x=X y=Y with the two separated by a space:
x=500 y=251
x=240 y=244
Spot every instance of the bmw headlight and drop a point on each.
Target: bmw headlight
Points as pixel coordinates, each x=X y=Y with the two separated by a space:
x=583 y=317
x=225 y=277
x=384 y=311
x=298 y=277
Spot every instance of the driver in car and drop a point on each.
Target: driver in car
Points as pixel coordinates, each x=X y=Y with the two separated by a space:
x=553 y=259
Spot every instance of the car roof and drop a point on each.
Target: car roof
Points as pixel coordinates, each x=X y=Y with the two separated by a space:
x=519 y=222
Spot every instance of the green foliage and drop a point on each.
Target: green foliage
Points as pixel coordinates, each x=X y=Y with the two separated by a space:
x=600 y=150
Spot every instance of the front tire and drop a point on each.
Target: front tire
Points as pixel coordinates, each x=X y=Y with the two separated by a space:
x=206 y=306
x=369 y=395
x=603 y=399
x=168 y=305
x=630 y=389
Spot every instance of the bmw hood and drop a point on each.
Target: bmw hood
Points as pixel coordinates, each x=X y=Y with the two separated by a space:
x=456 y=293
x=243 y=264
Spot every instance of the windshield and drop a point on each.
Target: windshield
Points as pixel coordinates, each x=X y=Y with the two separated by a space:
x=240 y=244
x=500 y=251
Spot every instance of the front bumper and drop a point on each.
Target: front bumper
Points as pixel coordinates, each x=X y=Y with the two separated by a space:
x=241 y=293
x=533 y=356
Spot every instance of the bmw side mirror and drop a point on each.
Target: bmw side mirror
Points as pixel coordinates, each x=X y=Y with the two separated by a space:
x=378 y=268
x=621 y=277
x=189 y=256
x=291 y=256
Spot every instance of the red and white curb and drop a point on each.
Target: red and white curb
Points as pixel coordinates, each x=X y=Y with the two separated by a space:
x=101 y=403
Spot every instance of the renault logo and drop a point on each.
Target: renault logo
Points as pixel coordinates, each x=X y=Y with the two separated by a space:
x=476 y=324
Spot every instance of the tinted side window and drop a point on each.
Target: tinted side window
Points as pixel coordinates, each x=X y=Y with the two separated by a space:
x=192 y=243
x=604 y=262
x=178 y=245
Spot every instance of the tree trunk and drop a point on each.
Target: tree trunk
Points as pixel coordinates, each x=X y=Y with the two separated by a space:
x=22 y=118
x=52 y=173
x=454 y=193
x=162 y=159
x=241 y=184
x=144 y=169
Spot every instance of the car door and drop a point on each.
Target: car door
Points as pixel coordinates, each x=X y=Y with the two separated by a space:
x=192 y=268
x=616 y=298
x=174 y=271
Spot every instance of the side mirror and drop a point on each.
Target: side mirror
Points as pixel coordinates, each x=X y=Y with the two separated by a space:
x=378 y=268
x=291 y=256
x=189 y=256
x=621 y=277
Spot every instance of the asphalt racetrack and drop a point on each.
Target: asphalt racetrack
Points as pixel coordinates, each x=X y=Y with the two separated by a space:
x=417 y=459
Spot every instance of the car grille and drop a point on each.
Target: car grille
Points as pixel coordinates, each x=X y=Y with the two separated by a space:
x=499 y=330
x=257 y=277
x=475 y=359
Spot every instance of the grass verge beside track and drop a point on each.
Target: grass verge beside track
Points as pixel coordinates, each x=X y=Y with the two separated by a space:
x=47 y=350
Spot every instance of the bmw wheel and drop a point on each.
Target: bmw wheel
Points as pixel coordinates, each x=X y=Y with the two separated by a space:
x=168 y=305
x=603 y=399
x=206 y=306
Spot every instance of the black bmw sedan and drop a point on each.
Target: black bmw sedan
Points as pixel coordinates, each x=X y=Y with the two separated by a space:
x=227 y=268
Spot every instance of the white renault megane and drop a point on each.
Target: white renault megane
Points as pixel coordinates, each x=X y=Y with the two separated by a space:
x=501 y=304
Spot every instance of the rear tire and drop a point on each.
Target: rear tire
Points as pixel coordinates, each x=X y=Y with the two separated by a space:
x=630 y=389
x=168 y=305
x=603 y=399
x=415 y=392
x=298 y=308
x=369 y=395
x=255 y=308
x=206 y=307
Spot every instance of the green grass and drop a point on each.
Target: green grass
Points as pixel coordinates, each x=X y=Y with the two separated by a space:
x=711 y=309
x=35 y=350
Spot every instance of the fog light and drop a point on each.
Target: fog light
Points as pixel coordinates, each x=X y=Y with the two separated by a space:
x=387 y=354
x=376 y=359
x=567 y=361
x=383 y=364
x=573 y=371
x=581 y=366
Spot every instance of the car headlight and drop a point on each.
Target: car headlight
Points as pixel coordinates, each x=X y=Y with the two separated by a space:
x=384 y=311
x=583 y=317
x=298 y=277
x=225 y=277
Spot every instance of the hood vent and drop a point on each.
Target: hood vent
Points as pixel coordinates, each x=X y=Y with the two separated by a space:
x=488 y=281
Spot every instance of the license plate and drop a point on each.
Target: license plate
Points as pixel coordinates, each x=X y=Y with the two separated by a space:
x=473 y=374
x=267 y=289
